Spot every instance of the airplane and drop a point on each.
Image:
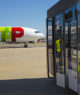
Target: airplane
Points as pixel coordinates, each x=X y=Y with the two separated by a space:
x=19 y=35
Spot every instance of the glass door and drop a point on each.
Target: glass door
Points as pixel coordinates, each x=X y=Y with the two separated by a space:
x=71 y=51
x=60 y=77
x=51 y=70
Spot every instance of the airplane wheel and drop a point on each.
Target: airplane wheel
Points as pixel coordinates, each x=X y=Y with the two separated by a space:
x=25 y=46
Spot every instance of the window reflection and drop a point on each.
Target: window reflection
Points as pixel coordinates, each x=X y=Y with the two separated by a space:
x=71 y=40
x=71 y=48
x=74 y=45
x=50 y=49
x=59 y=44
x=78 y=10
x=50 y=33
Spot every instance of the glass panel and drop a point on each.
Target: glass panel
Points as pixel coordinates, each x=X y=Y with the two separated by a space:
x=71 y=48
x=59 y=51
x=50 y=41
x=66 y=47
x=78 y=10
x=49 y=28
x=51 y=70
x=50 y=34
x=50 y=49
x=59 y=44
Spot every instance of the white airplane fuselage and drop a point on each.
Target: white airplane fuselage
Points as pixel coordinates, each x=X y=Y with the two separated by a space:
x=19 y=34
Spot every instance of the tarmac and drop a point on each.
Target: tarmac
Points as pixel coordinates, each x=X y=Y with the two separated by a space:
x=23 y=71
x=34 y=86
x=20 y=63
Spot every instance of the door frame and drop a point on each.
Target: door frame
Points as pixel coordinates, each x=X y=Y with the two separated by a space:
x=53 y=48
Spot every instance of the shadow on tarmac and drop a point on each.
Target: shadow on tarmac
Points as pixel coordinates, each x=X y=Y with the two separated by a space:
x=36 y=86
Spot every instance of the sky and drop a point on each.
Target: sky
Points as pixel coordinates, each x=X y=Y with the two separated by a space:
x=27 y=13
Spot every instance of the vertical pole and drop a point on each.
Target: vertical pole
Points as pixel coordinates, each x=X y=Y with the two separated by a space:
x=53 y=46
x=47 y=47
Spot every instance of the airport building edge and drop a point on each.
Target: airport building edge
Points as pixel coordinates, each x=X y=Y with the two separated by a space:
x=63 y=44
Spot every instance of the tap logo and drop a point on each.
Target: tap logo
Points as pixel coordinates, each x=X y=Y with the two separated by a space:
x=17 y=33
x=10 y=33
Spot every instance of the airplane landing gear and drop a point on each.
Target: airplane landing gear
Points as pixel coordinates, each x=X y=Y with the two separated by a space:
x=25 y=45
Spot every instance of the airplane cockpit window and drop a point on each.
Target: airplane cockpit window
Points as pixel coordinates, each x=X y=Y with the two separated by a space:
x=37 y=32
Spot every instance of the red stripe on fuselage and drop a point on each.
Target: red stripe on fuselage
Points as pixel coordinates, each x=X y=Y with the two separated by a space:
x=17 y=32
